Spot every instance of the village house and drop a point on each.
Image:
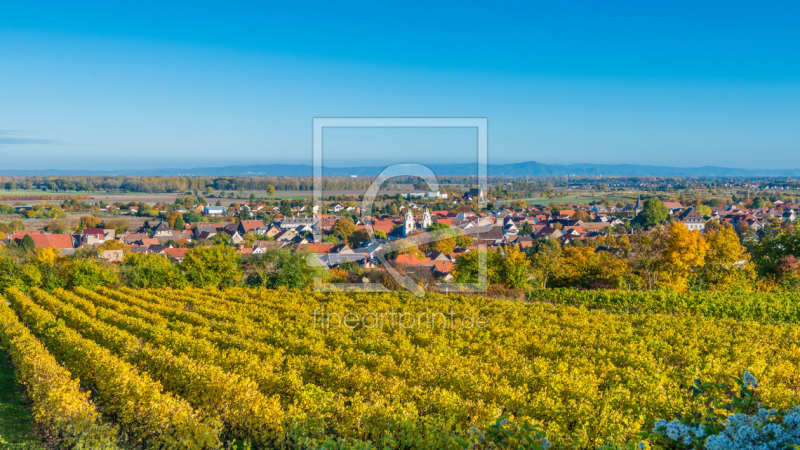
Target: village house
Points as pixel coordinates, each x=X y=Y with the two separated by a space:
x=693 y=220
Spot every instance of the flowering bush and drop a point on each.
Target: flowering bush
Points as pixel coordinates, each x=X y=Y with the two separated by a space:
x=739 y=424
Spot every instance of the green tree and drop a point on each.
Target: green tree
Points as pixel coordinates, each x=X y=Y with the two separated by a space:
x=191 y=217
x=213 y=266
x=774 y=245
x=653 y=213
x=703 y=210
x=221 y=239
x=142 y=271
x=179 y=223
x=286 y=209
x=358 y=237
x=279 y=268
x=27 y=244
x=467 y=267
x=527 y=229
x=89 y=273
x=270 y=190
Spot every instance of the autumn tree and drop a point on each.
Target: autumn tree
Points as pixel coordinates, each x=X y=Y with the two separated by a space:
x=171 y=218
x=788 y=272
x=585 y=268
x=249 y=238
x=213 y=266
x=646 y=257
x=581 y=215
x=115 y=245
x=57 y=227
x=88 y=222
x=343 y=228
x=444 y=238
x=519 y=205
x=545 y=256
x=270 y=190
x=727 y=263
x=120 y=226
x=515 y=268
x=686 y=251
x=405 y=247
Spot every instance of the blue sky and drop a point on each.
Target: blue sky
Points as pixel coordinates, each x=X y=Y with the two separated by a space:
x=169 y=84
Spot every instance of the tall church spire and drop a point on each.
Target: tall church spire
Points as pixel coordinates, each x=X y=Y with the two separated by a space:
x=408 y=223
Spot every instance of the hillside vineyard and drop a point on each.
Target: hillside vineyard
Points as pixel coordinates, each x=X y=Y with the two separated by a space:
x=203 y=368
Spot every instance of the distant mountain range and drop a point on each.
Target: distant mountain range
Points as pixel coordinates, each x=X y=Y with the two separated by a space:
x=529 y=169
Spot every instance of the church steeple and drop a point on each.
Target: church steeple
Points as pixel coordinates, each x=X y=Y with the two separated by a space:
x=408 y=223
x=426 y=219
x=638 y=207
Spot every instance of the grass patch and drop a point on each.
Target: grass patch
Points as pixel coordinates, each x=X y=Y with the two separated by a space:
x=581 y=200
x=16 y=422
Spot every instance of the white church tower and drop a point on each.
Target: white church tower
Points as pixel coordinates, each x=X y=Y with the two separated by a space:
x=408 y=223
x=426 y=220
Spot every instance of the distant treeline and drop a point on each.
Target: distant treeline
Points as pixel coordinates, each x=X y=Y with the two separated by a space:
x=42 y=197
x=286 y=183
x=207 y=184
x=174 y=184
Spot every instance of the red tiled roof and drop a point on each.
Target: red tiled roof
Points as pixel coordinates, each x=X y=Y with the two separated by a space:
x=176 y=252
x=407 y=260
x=383 y=225
x=24 y=232
x=249 y=225
x=48 y=240
x=444 y=266
x=314 y=248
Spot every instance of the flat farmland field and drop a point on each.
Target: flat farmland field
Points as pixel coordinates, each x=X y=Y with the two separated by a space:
x=578 y=199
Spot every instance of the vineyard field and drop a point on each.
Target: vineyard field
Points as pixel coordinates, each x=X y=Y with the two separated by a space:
x=774 y=307
x=192 y=368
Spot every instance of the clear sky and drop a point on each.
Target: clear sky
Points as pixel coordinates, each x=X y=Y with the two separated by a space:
x=119 y=85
